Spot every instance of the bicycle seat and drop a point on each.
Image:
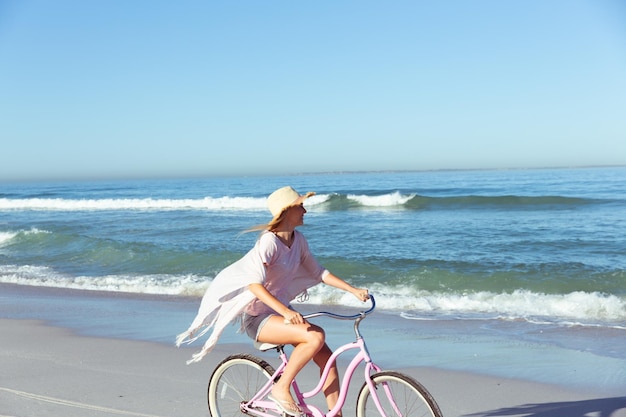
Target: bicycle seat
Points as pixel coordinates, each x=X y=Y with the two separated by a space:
x=264 y=346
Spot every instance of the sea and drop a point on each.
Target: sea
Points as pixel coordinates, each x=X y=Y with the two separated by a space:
x=514 y=273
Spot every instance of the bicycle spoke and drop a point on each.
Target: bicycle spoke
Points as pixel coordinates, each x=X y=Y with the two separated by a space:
x=399 y=396
x=235 y=381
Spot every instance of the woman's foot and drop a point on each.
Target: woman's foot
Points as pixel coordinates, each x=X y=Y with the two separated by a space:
x=286 y=404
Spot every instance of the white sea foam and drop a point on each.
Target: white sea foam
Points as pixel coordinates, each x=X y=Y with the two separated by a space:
x=207 y=203
x=523 y=304
x=520 y=304
x=41 y=276
x=385 y=200
x=574 y=307
x=7 y=236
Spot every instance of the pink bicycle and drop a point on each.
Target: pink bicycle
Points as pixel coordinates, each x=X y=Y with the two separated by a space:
x=240 y=384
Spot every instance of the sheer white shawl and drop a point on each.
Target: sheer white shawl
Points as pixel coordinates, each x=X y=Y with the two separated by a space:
x=228 y=294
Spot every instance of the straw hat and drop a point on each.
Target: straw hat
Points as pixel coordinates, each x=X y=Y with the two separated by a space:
x=283 y=198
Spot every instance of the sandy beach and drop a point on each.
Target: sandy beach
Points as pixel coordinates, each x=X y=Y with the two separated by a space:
x=50 y=371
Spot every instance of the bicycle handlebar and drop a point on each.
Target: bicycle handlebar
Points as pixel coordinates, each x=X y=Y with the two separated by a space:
x=342 y=317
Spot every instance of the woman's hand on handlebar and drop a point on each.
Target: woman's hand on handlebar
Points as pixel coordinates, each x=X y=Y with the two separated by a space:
x=361 y=293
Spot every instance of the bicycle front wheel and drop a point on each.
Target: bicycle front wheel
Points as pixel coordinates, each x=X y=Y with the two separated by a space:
x=234 y=381
x=399 y=396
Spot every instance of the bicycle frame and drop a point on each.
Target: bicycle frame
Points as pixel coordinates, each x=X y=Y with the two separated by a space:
x=258 y=406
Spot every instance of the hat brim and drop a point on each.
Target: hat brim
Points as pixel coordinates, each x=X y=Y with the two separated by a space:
x=296 y=202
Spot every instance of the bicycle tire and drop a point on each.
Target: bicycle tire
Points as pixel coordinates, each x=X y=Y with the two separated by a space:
x=234 y=381
x=411 y=399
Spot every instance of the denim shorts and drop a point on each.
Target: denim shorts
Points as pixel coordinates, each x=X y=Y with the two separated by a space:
x=254 y=324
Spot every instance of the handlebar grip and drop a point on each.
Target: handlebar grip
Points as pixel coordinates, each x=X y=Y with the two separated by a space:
x=340 y=316
x=373 y=300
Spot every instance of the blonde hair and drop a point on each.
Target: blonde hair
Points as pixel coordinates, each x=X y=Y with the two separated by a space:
x=273 y=224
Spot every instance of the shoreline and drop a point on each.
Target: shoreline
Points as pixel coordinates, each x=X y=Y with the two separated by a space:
x=54 y=371
x=499 y=349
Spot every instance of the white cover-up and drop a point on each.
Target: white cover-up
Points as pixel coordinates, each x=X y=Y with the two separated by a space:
x=285 y=271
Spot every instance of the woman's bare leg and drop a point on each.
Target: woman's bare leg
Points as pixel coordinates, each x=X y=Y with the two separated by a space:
x=331 y=386
x=307 y=339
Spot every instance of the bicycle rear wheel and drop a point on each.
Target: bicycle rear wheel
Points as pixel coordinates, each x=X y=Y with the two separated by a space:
x=234 y=381
x=399 y=395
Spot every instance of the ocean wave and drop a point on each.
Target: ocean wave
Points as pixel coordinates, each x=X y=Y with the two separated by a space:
x=7 y=237
x=415 y=201
x=540 y=308
x=385 y=200
x=499 y=202
x=574 y=307
x=155 y=284
x=394 y=199
x=149 y=204
x=59 y=204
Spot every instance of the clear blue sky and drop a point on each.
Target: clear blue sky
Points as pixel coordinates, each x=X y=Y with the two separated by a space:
x=118 y=88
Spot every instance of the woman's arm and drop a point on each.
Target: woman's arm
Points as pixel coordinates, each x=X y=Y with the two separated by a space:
x=272 y=302
x=334 y=281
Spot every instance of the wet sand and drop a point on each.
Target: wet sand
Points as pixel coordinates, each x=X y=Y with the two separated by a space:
x=53 y=372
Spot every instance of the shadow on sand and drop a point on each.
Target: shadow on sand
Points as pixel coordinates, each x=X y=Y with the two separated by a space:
x=602 y=407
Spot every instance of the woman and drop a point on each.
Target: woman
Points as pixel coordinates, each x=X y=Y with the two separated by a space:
x=261 y=285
